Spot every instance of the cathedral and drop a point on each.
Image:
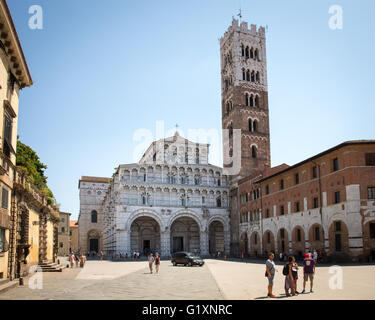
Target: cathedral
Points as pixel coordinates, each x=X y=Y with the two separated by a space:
x=171 y=200
x=174 y=200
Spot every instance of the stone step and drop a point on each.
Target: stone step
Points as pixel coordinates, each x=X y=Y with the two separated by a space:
x=6 y=285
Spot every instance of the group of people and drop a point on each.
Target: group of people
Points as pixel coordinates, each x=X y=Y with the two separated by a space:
x=78 y=259
x=290 y=271
x=315 y=255
x=154 y=260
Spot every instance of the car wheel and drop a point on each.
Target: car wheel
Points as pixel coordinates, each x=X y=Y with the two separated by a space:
x=174 y=263
x=190 y=264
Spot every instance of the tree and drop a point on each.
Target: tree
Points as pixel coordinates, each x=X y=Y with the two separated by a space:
x=28 y=161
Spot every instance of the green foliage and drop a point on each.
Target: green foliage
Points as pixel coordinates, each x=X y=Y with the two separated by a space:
x=28 y=161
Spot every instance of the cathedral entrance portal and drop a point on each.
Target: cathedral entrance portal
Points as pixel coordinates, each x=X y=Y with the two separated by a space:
x=94 y=245
x=145 y=235
x=178 y=244
x=185 y=235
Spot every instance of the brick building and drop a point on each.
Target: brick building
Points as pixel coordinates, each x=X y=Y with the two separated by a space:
x=326 y=203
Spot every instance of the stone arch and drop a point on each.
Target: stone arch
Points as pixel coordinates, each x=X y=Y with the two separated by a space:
x=316 y=238
x=145 y=235
x=368 y=241
x=338 y=236
x=185 y=234
x=216 y=234
x=186 y=213
x=244 y=244
x=144 y=213
x=255 y=248
x=283 y=241
x=268 y=242
x=298 y=241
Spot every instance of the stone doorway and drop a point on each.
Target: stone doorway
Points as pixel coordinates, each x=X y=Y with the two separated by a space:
x=145 y=235
x=178 y=244
x=187 y=229
x=94 y=245
x=216 y=237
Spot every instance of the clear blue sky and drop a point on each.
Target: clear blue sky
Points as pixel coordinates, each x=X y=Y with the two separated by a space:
x=103 y=69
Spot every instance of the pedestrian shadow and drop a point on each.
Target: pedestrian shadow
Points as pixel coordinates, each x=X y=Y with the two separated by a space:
x=281 y=296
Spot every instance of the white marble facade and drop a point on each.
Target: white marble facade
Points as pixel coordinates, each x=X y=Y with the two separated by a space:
x=172 y=200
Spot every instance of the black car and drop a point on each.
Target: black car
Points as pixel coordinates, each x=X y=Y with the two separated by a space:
x=187 y=259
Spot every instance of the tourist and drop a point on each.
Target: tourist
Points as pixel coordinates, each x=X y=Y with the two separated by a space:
x=281 y=256
x=126 y=256
x=82 y=260
x=101 y=255
x=71 y=259
x=150 y=261
x=157 y=262
x=76 y=258
x=308 y=272
x=295 y=274
x=138 y=255
x=289 y=280
x=315 y=256
x=270 y=273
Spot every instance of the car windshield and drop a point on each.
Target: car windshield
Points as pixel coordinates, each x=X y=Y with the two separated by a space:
x=192 y=255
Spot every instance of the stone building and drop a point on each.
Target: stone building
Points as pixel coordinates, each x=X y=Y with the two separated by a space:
x=244 y=108
x=92 y=191
x=324 y=203
x=74 y=236
x=64 y=234
x=14 y=76
x=33 y=234
x=172 y=200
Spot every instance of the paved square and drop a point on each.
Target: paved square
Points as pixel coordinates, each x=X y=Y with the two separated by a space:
x=216 y=280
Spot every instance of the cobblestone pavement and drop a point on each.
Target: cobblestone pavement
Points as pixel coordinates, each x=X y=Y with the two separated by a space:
x=216 y=280
x=122 y=280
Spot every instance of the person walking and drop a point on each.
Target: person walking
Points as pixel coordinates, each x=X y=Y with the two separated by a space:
x=308 y=272
x=281 y=256
x=270 y=273
x=76 y=258
x=101 y=255
x=315 y=256
x=289 y=279
x=150 y=261
x=157 y=263
x=295 y=274
x=71 y=259
x=82 y=260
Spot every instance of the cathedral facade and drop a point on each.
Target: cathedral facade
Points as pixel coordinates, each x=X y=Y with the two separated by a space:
x=171 y=200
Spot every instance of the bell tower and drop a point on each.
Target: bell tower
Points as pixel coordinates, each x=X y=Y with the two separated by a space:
x=244 y=99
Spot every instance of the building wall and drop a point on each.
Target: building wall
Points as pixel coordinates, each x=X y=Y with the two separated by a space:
x=351 y=179
x=74 y=238
x=64 y=234
x=92 y=194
